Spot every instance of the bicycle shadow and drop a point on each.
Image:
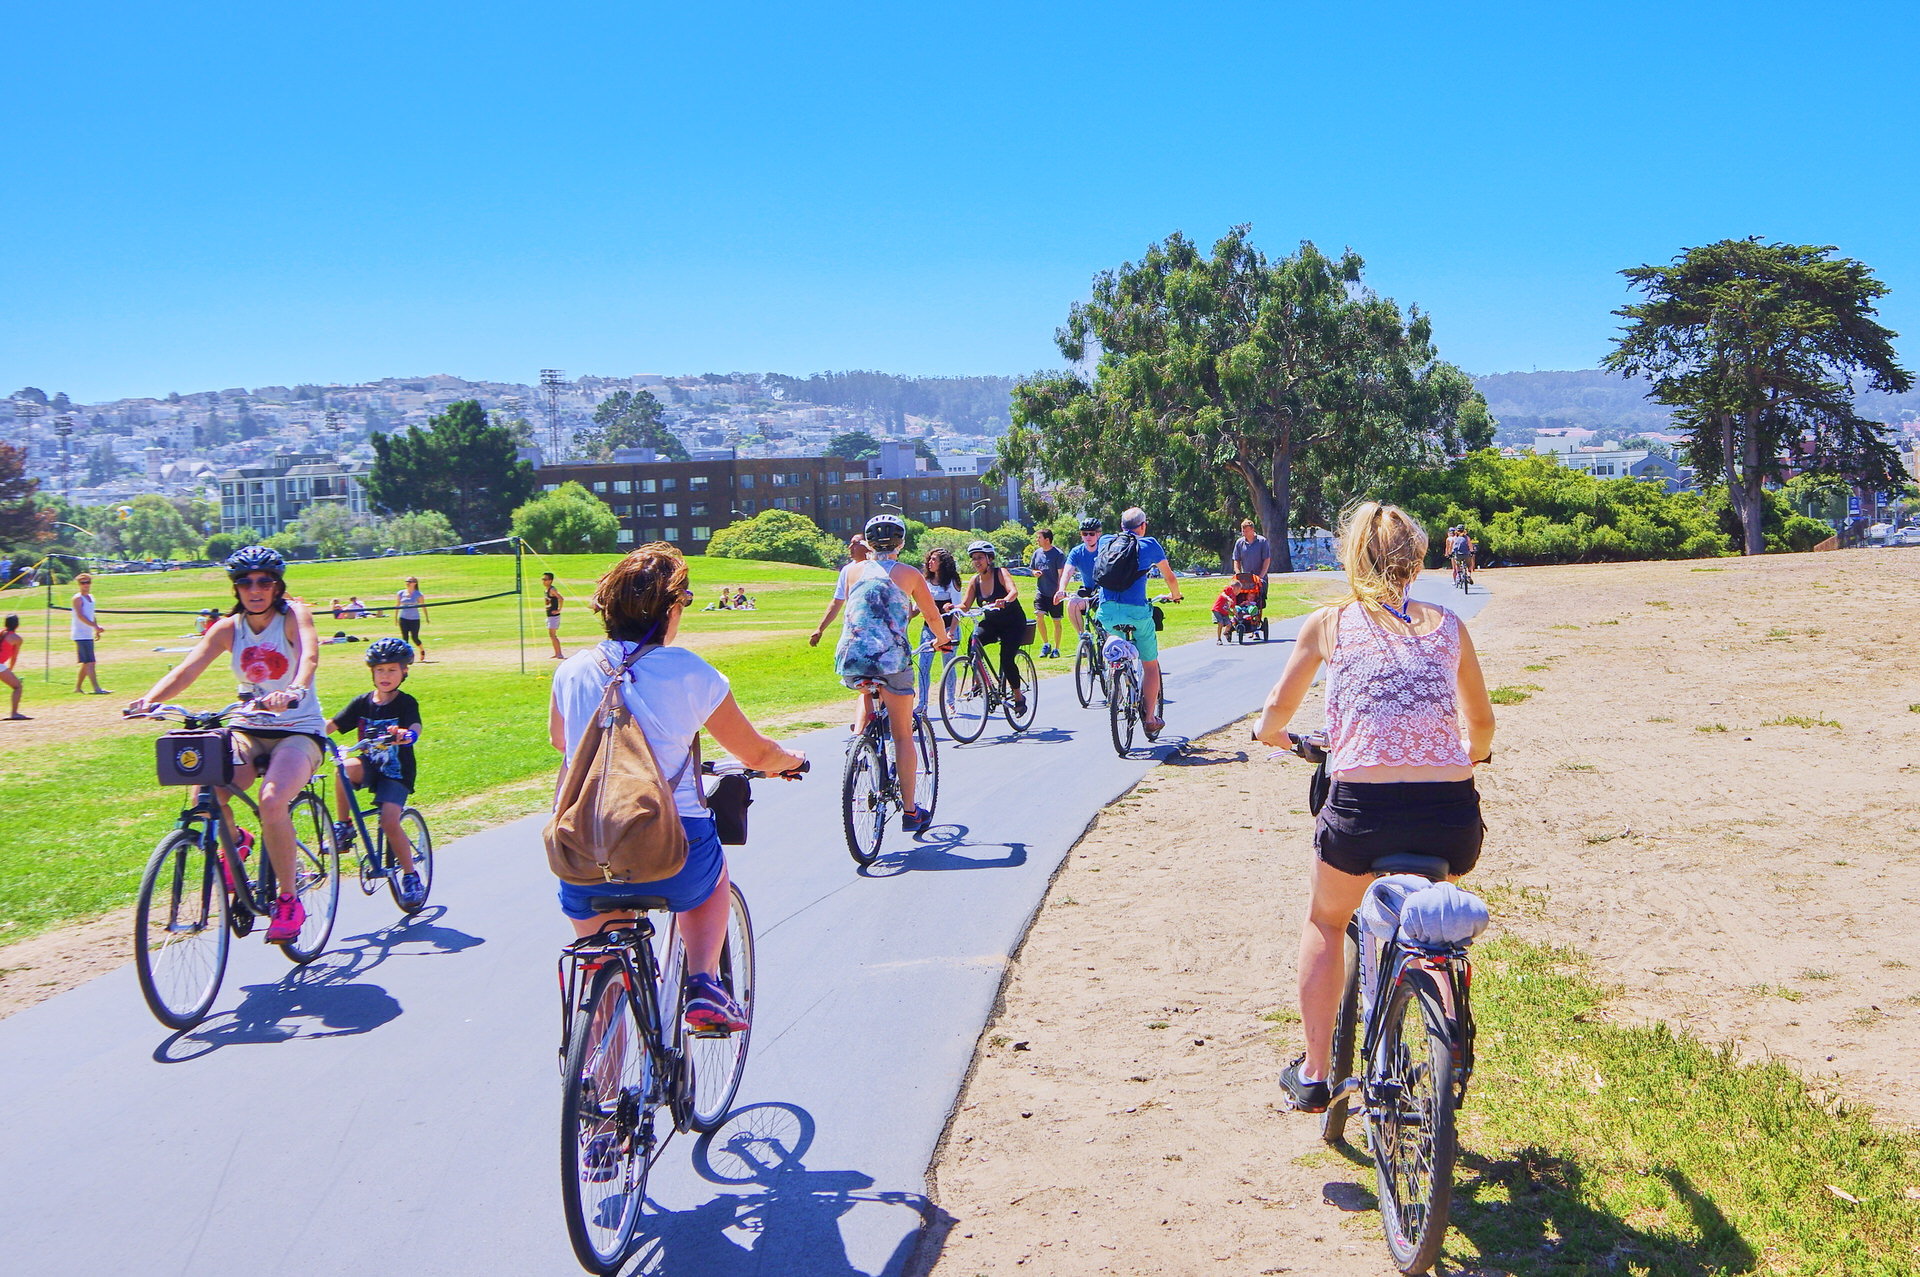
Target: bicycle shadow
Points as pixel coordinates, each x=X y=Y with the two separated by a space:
x=786 y=1219
x=942 y=849
x=1531 y=1209
x=1037 y=735
x=324 y=999
x=1203 y=758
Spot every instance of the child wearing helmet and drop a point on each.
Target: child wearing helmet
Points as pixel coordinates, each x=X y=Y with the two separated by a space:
x=386 y=714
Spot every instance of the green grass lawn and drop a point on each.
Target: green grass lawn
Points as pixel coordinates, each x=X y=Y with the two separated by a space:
x=84 y=810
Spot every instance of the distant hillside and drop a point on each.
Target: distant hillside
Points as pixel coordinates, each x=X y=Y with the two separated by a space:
x=972 y=405
x=1524 y=402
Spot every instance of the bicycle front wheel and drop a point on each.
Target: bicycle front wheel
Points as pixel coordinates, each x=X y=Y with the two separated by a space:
x=1017 y=719
x=963 y=700
x=926 y=749
x=414 y=825
x=1413 y=1132
x=180 y=934
x=316 y=872
x=1086 y=672
x=717 y=1061
x=863 y=801
x=1123 y=705
x=604 y=1150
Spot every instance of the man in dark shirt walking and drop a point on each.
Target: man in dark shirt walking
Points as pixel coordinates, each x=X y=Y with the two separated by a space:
x=1047 y=563
x=1253 y=554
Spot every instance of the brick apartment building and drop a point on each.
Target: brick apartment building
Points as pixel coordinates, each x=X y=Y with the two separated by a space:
x=683 y=502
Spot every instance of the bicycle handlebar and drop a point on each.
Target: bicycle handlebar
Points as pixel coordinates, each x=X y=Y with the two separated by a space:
x=738 y=769
x=239 y=709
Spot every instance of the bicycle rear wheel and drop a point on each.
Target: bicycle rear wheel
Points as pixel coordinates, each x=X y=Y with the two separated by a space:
x=417 y=833
x=1086 y=672
x=1413 y=1131
x=604 y=1150
x=926 y=786
x=1123 y=704
x=718 y=1061
x=180 y=934
x=1333 y=1124
x=1029 y=689
x=863 y=801
x=963 y=700
x=316 y=871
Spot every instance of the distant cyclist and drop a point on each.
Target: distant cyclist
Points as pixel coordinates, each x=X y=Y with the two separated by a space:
x=1130 y=607
x=1402 y=681
x=276 y=653
x=882 y=594
x=672 y=694
x=1005 y=623
x=1080 y=560
x=1457 y=545
x=943 y=582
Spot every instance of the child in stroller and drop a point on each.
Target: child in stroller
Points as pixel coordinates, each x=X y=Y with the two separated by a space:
x=1237 y=613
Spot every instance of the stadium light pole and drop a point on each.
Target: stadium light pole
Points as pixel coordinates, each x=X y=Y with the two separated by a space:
x=551 y=379
x=63 y=426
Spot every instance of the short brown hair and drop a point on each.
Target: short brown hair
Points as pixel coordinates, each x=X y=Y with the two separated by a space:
x=637 y=595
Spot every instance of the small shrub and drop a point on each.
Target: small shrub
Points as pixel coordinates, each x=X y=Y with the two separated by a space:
x=1506 y=696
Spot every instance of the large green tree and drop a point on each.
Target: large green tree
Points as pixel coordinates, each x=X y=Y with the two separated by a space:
x=154 y=529
x=23 y=521
x=779 y=536
x=628 y=420
x=462 y=465
x=1228 y=377
x=1759 y=348
x=568 y=520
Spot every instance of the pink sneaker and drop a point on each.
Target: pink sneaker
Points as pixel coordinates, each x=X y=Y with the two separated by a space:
x=289 y=915
x=243 y=847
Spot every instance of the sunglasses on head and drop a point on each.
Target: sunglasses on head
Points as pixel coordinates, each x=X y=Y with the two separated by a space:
x=257 y=582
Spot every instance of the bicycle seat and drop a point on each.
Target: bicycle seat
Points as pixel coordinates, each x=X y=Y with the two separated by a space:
x=1406 y=862
x=622 y=904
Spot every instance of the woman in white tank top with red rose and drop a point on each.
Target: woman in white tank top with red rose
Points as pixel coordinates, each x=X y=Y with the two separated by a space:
x=1407 y=718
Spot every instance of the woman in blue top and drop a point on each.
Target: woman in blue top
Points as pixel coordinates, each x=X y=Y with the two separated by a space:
x=1130 y=607
x=881 y=596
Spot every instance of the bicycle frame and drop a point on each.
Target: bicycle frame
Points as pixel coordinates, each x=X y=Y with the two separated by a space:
x=256 y=898
x=375 y=851
x=1451 y=967
x=620 y=941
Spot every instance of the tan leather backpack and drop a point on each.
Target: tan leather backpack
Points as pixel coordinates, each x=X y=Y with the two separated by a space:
x=614 y=819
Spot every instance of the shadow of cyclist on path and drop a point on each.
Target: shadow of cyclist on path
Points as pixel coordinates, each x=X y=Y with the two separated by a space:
x=944 y=848
x=786 y=1221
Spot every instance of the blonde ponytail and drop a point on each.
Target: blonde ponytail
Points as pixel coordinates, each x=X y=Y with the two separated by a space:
x=1382 y=548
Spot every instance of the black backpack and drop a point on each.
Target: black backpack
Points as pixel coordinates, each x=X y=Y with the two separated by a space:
x=1117 y=566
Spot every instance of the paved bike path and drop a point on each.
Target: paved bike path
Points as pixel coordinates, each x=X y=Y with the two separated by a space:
x=393 y=1108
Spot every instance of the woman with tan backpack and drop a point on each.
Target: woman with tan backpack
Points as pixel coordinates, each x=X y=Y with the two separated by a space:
x=631 y=819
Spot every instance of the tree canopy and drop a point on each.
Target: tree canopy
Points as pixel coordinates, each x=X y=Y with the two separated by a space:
x=780 y=536
x=628 y=420
x=23 y=521
x=568 y=520
x=1758 y=348
x=462 y=466
x=1229 y=380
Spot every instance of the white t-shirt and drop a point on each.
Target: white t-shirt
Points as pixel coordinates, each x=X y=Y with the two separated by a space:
x=840 y=583
x=671 y=695
x=82 y=627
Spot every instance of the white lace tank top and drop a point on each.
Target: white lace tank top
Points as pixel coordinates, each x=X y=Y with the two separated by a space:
x=1391 y=698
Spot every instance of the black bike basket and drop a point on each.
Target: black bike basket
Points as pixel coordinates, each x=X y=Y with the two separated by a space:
x=194 y=758
x=1159 y=619
x=1318 y=788
x=728 y=801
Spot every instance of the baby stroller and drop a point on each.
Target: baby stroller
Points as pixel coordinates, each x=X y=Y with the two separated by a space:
x=1244 y=615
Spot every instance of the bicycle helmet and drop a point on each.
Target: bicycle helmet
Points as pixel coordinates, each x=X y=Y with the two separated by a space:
x=1089 y=524
x=390 y=651
x=886 y=532
x=983 y=547
x=255 y=558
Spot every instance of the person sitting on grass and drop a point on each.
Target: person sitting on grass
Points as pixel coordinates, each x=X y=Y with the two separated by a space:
x=10 y=645
x=393 y=716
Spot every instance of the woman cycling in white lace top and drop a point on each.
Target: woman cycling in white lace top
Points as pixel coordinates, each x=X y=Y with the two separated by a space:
x=1402 y=681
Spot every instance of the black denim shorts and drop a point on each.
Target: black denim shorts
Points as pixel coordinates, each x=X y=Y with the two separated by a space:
x=1363 y=822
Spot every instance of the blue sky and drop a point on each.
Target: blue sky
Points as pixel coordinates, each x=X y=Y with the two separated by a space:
x=213 y=195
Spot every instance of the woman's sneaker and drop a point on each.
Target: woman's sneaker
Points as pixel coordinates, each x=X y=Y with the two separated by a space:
x=711 y=1010
x=289 y=915
x=1303 y=1096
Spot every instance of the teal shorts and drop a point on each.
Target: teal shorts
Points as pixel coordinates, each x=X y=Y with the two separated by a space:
x=1140 y=616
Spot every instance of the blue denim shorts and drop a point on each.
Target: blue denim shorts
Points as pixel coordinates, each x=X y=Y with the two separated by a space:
x=686 y=890
x=83 y=651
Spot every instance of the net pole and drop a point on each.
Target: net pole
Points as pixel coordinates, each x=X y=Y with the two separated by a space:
x=520 y=600
x=46 y=646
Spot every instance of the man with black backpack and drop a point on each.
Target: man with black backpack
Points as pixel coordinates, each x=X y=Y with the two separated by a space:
x=1120 y=569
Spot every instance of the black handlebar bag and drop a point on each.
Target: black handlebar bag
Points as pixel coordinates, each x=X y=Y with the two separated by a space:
x=194 y=758
x=728 y=800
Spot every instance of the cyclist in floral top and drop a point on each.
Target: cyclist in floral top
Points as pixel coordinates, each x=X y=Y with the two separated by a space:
x=1408 y=717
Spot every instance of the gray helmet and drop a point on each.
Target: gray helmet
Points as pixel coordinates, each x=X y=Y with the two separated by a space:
x=886 y=532
x=983 y=547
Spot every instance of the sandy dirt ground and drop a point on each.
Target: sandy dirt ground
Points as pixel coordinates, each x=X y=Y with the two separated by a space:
x=1709 y=789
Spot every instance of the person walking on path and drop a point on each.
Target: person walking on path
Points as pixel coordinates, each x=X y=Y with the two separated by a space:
x=1130 y=607
x=1253 y=555
x=1047 y=563
x=1402 y=682
x=858 y=552
x=550 y=599
x=1080 y=560
x=409 y=612
x=85 y=630
x=10 y=645
x=672 y=693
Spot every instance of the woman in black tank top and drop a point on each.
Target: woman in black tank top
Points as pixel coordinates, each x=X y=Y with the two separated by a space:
x=1005 y=623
